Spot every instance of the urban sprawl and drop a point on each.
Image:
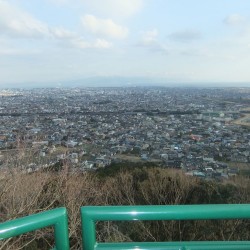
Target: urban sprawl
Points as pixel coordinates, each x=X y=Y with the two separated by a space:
x=204 y=132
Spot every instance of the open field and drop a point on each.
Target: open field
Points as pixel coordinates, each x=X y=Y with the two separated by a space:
x=133 y=158
x=245 y=120
x=244 y=168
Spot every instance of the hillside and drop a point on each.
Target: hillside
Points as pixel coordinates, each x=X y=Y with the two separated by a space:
x=31 y=193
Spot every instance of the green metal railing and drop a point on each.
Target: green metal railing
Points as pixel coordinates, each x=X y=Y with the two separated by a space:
x=90 y=215
x=57 y=218
x=180 y=212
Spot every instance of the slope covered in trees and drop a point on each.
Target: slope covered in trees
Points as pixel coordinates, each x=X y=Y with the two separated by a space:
x=21 y=195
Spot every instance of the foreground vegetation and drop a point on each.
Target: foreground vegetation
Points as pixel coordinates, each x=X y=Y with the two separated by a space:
x=23 y=194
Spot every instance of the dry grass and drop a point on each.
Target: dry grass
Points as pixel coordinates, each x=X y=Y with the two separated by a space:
x=24 y=194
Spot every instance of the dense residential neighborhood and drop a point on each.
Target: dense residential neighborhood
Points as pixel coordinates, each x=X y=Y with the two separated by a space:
x=203 y=131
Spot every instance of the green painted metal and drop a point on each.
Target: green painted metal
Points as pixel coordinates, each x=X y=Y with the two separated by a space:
x=92 y=214
x=57 y=218
x=195 y=245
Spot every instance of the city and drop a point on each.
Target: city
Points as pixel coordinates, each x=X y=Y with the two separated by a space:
x=204 y=132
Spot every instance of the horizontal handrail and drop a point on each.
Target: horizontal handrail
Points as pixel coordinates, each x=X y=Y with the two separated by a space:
x=92 y=214
x=57 y=218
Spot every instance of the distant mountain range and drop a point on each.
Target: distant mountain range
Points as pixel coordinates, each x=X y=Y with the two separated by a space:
x=116 y=81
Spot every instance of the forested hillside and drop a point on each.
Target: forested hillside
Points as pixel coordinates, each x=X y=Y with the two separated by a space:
x=21 y=195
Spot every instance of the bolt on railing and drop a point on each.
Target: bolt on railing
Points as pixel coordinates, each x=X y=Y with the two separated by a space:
x=57 y=218
x=91 y=214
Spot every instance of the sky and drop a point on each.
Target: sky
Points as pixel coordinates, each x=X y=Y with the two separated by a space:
x=167 y=41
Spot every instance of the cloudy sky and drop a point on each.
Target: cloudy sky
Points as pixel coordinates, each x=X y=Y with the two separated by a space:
x=164 y=40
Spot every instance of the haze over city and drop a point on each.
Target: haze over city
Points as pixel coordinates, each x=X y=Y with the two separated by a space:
x=116 y=42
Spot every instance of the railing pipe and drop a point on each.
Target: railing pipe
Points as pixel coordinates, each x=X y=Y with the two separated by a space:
x=91 y=214
x=174 y=212
x=57 y=218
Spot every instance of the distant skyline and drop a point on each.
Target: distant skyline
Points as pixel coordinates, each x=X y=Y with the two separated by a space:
x=52 y=42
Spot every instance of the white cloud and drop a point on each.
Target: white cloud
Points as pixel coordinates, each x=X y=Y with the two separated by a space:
x=103 y=27
x=108 y=8
x=115 y=8
x=98 y=44
x=149 y=39
x=15 y=22
x=17 y=52
x=62 y=33
x=234 y=20
x=185 y=35
x=102 y=44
